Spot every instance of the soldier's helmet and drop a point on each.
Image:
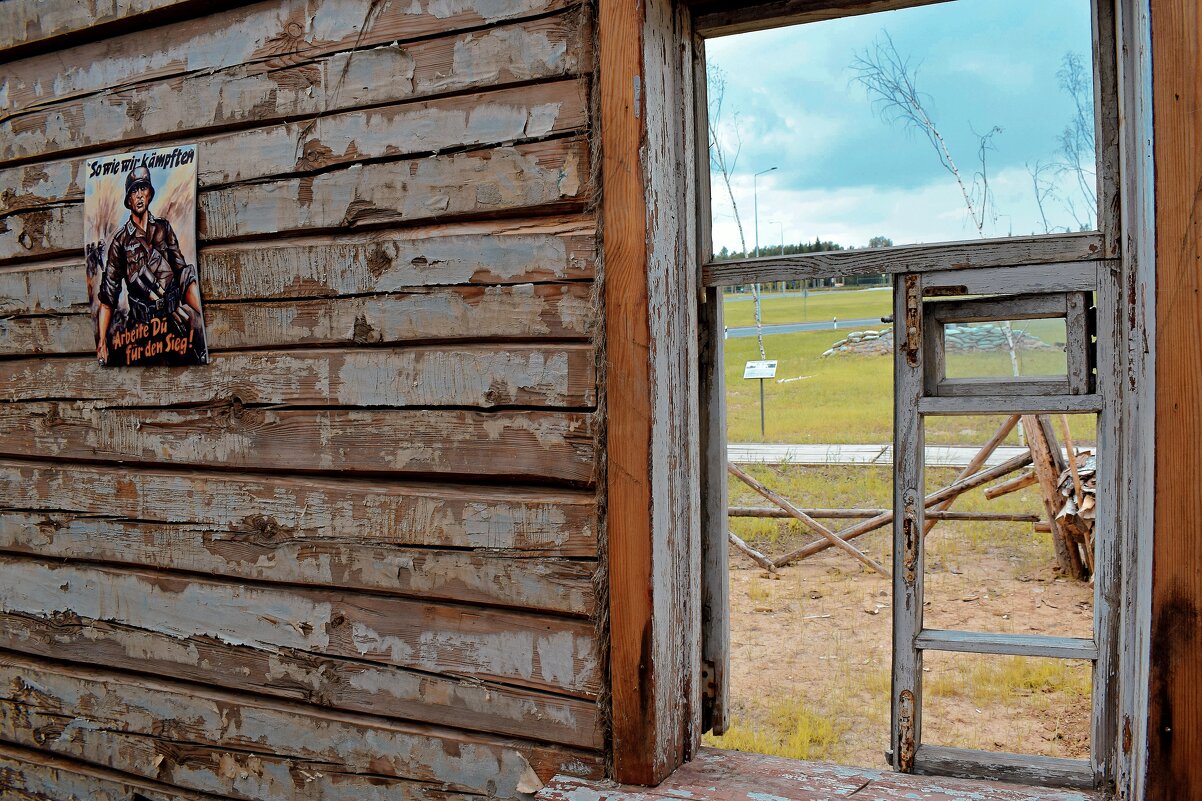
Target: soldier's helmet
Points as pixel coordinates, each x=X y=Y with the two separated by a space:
x=138 y=176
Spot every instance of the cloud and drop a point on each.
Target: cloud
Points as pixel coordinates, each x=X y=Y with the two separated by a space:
x=850 y=216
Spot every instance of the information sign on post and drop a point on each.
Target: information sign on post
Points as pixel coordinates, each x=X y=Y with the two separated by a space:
x=761 y=369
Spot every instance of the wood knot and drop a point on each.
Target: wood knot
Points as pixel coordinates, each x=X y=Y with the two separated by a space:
x=263 y=528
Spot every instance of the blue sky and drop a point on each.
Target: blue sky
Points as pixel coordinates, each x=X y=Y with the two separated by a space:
x=847 y=175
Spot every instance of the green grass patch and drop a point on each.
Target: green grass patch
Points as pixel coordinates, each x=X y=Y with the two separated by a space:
x=821 y=305
x=848 y=398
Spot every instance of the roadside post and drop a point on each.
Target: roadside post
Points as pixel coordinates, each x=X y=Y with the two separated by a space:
x=761 y=369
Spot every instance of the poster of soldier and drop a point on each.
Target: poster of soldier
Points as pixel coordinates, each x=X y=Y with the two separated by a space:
x=140 y=252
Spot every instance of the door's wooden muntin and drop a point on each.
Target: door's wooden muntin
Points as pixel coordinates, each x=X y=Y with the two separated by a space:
x=1072 y=307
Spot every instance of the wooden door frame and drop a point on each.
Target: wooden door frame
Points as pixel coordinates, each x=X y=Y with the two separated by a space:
x=648 y=138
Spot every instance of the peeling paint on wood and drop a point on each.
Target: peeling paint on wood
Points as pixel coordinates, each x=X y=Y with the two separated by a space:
x=526 y=581
x=476 y=376
x=473 y=120
x=272 y=35
x=313 y=509
x=717 y=775
x=521 y=445
x=561 y=311
x=256 y=749
x=550 y=176
x=505 y=253
x=510 y=647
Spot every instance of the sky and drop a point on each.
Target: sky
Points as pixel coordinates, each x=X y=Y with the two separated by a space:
x=846 y=173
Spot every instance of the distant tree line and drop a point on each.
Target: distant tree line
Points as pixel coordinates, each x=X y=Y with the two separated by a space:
x=817 y=246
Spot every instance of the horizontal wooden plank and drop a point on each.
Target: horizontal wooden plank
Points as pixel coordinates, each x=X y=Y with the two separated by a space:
x=29 y=775
x=269 y=36
x=33 y=22
x=257 y=749
x=940 y=760
x=490 y=118
x=242 y=97
x=546 y=176
x=496 y=252
x=479 y=376
x=979 y=310
x=515 y=648
x=336 y=683
x=982 y=642
x=556 y=311
x=520 y=445
x=1011 y=404
x=1001 y=385
x=941 y=257
x=350 y=561
x=719 y=775
x=723 y=18
x=1080 y=276
x=262 y=510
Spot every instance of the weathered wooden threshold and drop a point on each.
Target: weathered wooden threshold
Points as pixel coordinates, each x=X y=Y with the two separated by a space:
x=717 y=775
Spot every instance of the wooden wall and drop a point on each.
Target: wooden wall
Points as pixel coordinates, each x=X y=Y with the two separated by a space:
x=354 y=557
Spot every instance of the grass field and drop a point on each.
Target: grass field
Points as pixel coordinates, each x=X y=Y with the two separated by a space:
x=821 y=305
x=849 y=398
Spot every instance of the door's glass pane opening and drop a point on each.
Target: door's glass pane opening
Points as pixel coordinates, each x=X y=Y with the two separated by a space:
x=1005 y=348
x=810 y=653
x=953 y=121
x=1015 y=704
x=996 y=566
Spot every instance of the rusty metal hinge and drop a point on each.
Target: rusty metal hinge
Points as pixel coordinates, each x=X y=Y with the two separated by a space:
x=913 y=319
x=911 y=539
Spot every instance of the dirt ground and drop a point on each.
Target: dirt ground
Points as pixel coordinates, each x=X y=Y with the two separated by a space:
x=811 y=655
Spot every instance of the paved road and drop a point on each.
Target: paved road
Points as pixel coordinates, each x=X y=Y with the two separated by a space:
x=774 y=453
x=793 y=328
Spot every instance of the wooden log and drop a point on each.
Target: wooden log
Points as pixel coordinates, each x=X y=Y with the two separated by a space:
x=540 y=176
x=350 y=561
x=558 y=311
x=808 y=521
x=1048 y=464
x=544 y=446
x=264 y=510
x=331 y=682
x=880 y=521
x=258 y=749
x=973 y=466
x=481 y=253
x=476 y=120
x=751 y=553
x=858 y=514
x=831 y=514
x=178 y=612
x=267 y=37
x=477 y=376
x=1012 y=485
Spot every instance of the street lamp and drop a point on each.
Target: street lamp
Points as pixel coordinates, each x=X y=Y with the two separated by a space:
x=755 y=200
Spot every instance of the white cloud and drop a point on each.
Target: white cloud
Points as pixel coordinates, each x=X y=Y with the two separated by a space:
x=850 y=216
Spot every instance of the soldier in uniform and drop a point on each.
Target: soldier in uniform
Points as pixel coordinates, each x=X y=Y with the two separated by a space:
x=144 y=255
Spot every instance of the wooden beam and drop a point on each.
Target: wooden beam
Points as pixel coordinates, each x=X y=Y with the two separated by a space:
x=723 y=17
x=1175 y=713
x=942 y=257
x=651 y=361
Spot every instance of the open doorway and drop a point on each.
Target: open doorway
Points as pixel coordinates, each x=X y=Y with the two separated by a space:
x=837 y=220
